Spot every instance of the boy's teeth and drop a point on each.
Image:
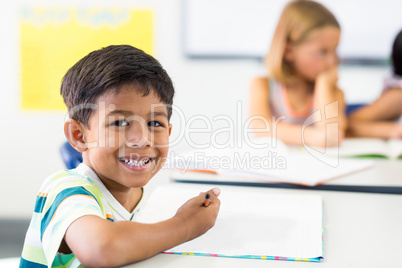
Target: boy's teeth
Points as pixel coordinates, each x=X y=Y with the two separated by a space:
x=135 y=162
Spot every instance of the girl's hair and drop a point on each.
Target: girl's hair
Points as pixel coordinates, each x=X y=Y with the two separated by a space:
x=397 y=54
x=298 y=20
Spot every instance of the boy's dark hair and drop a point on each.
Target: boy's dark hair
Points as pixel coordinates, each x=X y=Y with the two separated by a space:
x=397 y=54
x=110 y=68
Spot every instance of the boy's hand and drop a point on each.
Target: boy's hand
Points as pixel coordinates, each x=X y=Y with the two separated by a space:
x=327 y=79
x=98 y=242
x=198 y=218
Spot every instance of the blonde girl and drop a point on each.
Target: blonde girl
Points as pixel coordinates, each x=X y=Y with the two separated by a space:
x=298 y=101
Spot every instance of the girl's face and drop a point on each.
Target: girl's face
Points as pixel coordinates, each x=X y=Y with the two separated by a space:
x=315 y=55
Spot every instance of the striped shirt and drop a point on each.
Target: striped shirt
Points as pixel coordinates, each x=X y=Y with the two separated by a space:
x=281 y=107
x=64 y=197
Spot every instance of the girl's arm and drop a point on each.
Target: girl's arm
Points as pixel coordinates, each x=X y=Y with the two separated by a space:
x=263 y=124
x=97 y=242
x=375 y=120
x=329 y=99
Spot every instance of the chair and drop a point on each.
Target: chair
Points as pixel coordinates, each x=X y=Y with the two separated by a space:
x=353 y=107
x=71 y=157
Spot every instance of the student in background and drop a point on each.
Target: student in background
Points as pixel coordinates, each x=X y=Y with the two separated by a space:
x=119 y=102
x=302 y=78
x=381 y=119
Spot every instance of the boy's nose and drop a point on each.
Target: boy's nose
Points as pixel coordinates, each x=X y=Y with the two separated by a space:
x=138 y=136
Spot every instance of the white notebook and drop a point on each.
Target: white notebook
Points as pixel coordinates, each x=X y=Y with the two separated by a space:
x=251 y=164
x=391 y=148
x=250 y=224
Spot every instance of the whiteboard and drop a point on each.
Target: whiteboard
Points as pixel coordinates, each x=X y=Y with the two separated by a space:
x=244 y=28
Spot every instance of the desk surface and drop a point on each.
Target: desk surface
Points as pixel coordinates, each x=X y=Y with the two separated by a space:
x=383 y=177
x=383 y=173
x=360 y=229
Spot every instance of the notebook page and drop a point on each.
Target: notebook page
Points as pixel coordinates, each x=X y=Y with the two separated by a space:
x=360 y=146
x=304 y=168
x=271 y=164
x=395 y=148
x=249 y=223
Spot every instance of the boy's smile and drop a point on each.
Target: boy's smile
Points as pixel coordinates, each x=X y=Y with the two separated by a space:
x=127 y=138
x=139 y=165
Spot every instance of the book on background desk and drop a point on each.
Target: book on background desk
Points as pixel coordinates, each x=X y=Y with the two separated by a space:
x=250 y=224
x=267 y=165
x=368 y=147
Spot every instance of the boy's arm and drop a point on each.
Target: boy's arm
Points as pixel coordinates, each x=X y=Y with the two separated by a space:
x=97 y=242
x=386 y=107
x=375 y=129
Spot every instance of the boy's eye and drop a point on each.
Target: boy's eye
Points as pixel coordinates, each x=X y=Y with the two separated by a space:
x=154 y=124
x=120 y=123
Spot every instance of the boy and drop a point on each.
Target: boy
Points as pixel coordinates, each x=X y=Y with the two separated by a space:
x=119 y=101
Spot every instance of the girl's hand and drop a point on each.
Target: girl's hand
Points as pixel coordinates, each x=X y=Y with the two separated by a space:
x=198 y=218
x=327 y=80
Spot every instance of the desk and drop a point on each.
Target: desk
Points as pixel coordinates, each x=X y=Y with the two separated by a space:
x=360 y=229
x=385 y=176
x=383 y=173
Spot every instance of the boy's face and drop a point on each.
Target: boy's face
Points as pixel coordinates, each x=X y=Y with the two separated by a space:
x=127 y=138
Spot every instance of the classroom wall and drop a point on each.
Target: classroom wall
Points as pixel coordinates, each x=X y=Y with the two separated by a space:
x=30 y=140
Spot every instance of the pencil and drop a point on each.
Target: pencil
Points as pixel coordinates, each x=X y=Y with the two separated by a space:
x=207 y=200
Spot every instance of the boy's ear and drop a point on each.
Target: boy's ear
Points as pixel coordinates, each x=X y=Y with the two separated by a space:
x=170 y=129
x=74 y=132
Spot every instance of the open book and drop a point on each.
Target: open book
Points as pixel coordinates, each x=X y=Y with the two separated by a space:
x=250 y=224
x=269 y=164
x=368 y=147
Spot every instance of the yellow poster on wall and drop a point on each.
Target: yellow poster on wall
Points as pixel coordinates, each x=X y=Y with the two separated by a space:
x=53 y=40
